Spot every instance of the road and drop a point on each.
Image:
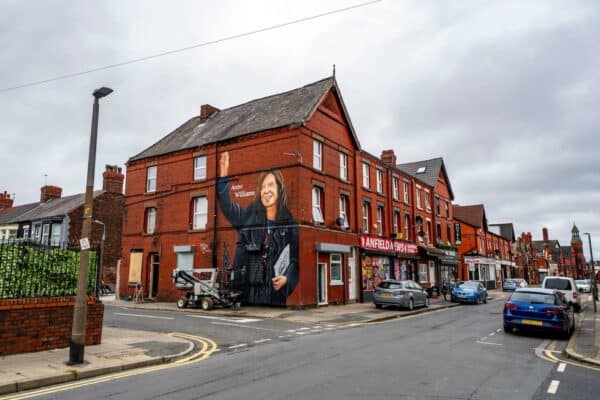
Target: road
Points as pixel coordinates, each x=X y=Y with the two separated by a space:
x=459 y=353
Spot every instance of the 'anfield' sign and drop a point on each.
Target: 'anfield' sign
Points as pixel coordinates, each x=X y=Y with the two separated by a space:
x=382 y=244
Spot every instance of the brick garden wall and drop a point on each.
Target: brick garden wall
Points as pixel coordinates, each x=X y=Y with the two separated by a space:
x=44 y=323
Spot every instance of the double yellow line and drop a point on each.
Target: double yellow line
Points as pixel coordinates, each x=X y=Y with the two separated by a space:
x=207 y=348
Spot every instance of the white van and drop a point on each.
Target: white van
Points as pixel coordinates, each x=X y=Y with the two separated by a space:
x=567 y=286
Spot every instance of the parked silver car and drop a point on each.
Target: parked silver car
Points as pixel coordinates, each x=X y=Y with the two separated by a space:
x=407 y=294
x=584 y=285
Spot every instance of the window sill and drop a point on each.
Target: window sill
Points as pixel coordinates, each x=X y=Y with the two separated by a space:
x=148 y=234
x=199 y=180
x=197 y=230
x=336 y=283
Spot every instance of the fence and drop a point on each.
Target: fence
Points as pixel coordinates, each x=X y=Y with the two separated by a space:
x=30 y=269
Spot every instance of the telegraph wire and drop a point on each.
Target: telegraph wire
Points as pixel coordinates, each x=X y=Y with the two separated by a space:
x=203 y=44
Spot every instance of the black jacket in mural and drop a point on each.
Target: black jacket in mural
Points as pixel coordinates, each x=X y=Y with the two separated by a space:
x=259 y=246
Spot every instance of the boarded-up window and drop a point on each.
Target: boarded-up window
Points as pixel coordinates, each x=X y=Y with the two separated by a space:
x=135 y=267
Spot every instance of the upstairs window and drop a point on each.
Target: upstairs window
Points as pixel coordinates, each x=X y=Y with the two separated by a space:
x=317 y=214
x=150 y=220
x=151 y=179
x=317 y=155
x=199 y=168
x=419 y=206
x=343 y=167
x=395 y=188
x=344 y=211
x=379 y=220
x=379 y=181
x=405 y=192
x=365 y=217
x=406 y=227
x=427 y=202
x=396 y=222
x=438 y=227
x=365 y=173
x=457 y=234
x=447 y=206
x=200 y=213
x=448 y=234
x=438 y=209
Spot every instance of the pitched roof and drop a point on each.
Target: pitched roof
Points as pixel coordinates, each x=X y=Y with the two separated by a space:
x=55 y=207
x=473 y=215
x=553 y=245
x=9 y=214
x=292 y=107
x=507 y=231
x=427 y=171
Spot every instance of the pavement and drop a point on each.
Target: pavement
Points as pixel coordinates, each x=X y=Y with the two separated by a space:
x=123 y=349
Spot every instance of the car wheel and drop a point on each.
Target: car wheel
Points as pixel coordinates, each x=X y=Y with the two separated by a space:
x=377 y=305
x=508 y=329
x=426 y=301
x=411 y=304
x=485 y=299
x=577 y=307
x=182 y=302
x=207 y=303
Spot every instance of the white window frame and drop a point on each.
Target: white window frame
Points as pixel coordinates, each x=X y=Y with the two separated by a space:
x=379 y=177
x=406 y=189
x=343 y=166
x=37 y=232
x=395 y=188
x=406 y=226
x=423 y=269
x=344 y=211
x=419 y=206
x=317 y=155
x=365 y=174
x=365 y=217
x=447 y=205
x=380 y=220
x=200 y=168
x=427 y=200
x=55 y=235
x=200 y=214
x=45 y=233
x=336 y=262
x=150 y=220
x=317 y=212
x=396 y=221
x=151 y=173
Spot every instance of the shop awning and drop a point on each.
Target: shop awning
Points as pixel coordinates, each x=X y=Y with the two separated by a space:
x=333 y=248
x=448 y=260
x=431 y=251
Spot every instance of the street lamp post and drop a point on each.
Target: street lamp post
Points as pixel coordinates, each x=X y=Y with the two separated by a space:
x=592 y=272
x=77 y=343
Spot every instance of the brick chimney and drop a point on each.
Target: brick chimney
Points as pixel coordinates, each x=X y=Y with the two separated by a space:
x=5 y=200
x=388 y=157
x=50 y=192
x=545 y=234
x=206 y=111
x=112 y=179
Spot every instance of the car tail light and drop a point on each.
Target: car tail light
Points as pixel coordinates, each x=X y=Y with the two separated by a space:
x=510 y=306
x=399 y=293
x=574 y=295
x=555 y=311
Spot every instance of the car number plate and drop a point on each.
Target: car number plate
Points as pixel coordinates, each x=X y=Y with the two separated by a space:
x=462 y=295
x=386 y=294
x=532 y=322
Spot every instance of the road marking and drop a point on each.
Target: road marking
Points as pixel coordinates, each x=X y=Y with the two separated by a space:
x=301 y=333
x=492 y=334
x=237 y=346
x=246 y=326
x=553 y=387
x=498 y=330
x=262 y=340
x=329 y=329
x=227 y=319
x=143 y=316
x=561 y=367
x=495 y=344
x=303 y=329
x=483 y=338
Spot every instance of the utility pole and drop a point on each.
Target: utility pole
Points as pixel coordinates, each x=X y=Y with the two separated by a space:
x=592 y=272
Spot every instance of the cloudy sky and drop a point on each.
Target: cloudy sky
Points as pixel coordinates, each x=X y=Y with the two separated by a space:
x=507 y=92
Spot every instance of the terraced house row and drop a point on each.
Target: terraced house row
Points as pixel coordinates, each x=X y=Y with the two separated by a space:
x=279 y=193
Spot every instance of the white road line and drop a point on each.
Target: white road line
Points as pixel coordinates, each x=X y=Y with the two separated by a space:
x=238 y=346
x=227 y=319
x=329 y=329
x=561 y=367
x=246 y=326
x=355 y=324
x=303 y=329
x=301 y=333
x=498 y=330
x=316 y=330
x=262 y=340
x=281 y=336
x=494 y=344
x=483 y=338
x=553 y=387
x=492 y=334
x=143 y=316
x=291 y=330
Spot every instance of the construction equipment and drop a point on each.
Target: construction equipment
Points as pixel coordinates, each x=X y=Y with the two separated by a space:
x=206 y=290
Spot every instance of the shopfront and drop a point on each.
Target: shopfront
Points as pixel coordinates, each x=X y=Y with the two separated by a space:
x=483 y=269
x=382 y=259
x=448 y=267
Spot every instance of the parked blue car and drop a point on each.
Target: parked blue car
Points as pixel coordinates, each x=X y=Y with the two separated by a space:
x=509 y=285
x=469 y=292
x=539 y=309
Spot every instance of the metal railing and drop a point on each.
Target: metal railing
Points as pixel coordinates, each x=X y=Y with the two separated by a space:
x=31 y=269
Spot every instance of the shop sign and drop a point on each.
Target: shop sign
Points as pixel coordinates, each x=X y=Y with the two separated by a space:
x=450 y=253
x=382 y=244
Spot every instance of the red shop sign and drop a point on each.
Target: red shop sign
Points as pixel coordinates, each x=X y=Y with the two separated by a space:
x=382 y=244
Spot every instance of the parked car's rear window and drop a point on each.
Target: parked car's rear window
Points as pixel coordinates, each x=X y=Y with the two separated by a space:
x=560 y=284
x=534 y=298
x=390 y=285
x=508 y=282
x=582 y=282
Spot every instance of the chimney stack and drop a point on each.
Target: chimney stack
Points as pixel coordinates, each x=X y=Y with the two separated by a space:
x=388 y=157
x=545 y=234
x=5 y=200
x=112 y=179
x=206 y=111
x=50 y=192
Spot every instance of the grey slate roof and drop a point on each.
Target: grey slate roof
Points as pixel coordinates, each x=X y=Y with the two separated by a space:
x=540 y=244
x=6 y=216
x=431 y=174
x=507 y=231
x=55 y=207
x=293 y=107
x=473 y=215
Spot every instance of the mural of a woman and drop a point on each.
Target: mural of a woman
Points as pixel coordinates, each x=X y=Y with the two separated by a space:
x=266 y=256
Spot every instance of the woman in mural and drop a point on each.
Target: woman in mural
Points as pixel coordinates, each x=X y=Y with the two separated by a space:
x=266 y=256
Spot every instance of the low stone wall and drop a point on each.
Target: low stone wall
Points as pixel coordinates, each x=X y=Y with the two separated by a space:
x=44 y=323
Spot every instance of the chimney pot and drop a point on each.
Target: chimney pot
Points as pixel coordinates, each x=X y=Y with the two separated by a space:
x=206 y=111
x=112 y=179
x=5 y=200
x=388 y=157
x=545 y=234
x=49 y=192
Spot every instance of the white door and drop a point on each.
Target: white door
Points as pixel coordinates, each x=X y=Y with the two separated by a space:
x=432 y=273
x=352 y=276
x=321 y=284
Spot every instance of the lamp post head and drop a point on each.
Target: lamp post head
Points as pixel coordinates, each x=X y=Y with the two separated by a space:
x=102 y=92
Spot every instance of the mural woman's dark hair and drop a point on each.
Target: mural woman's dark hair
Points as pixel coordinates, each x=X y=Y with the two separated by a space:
x=281 y=193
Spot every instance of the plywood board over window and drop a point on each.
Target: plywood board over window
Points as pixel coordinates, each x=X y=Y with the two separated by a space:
x=135 y=267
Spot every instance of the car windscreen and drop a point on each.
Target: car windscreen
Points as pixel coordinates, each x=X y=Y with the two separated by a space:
x=582 y=282
x=390 y=285
x=560 y=284
x=533 y=298
x=507 y=282
x=471 y=286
